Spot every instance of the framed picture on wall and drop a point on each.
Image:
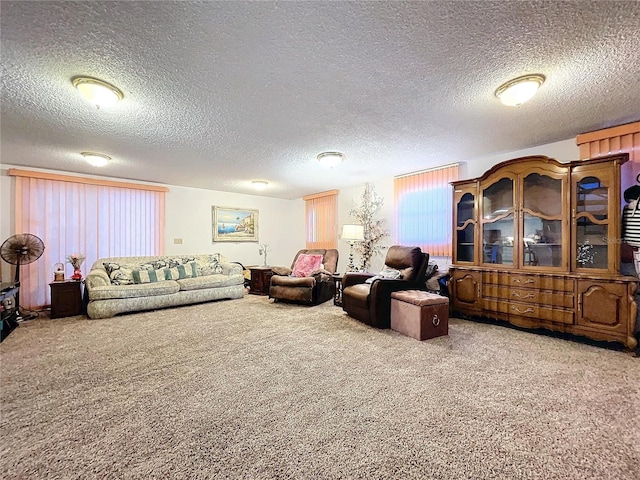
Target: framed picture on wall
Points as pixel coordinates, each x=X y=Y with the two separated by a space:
x=234 y=224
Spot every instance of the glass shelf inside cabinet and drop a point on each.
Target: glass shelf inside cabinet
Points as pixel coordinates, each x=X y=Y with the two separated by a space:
x=542 y=195
x=465 y=228
x=542 y=204
x=592 y=226
x=497 y=241
x=498 y=223
x=497 y=200
x=592 y=197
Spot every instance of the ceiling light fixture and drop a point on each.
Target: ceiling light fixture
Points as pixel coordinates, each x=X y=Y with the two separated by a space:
x=330 y=159
x=517 y=91
x=259 y=184
x=98 y=92
x=96 y=159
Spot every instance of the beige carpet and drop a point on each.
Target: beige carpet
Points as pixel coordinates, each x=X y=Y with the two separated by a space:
x=256 y=390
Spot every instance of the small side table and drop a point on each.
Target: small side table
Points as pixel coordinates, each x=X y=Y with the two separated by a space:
x=66 y=298
x=260 y=280
x=337 y=297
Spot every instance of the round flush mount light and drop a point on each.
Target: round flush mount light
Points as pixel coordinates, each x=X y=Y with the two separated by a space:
x=96 y=159
x=259 y=184
x=97 y=92
x=517 y=91
x=330 y=159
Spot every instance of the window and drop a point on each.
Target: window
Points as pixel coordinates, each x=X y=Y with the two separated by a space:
x=320 y=212
x=96 y=218
x=423 y=209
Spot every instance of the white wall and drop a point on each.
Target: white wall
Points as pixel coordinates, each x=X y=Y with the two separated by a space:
x=564 y=151
x=189 y=217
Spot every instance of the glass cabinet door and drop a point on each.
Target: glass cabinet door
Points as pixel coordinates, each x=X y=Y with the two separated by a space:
x=592 y=222
x=498 y=218
x=543 y=203
x=465 y=227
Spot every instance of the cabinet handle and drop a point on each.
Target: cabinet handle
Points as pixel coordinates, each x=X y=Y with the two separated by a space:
x=528 y=295
x=435 y=320
x=528 y=310
x=526 y=282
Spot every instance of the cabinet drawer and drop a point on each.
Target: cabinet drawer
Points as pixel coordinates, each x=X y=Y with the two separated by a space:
x=529 y=311
x=532 y=296
x=555 y=315
x=542 y=282
x=540 y=313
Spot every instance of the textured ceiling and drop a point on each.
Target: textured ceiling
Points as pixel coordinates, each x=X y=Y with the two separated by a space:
x=221 y=93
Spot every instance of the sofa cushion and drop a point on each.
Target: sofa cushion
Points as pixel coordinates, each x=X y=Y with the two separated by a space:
x=133 y=291
x=305 y=264
x=404 y=259
x=286 y=281
x=358 y=295
x=208 y=281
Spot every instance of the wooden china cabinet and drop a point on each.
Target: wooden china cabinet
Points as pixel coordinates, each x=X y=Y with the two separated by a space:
x=537 y=243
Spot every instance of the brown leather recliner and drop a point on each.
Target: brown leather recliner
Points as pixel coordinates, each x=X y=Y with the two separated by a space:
x=314 y=289
x=371 y=302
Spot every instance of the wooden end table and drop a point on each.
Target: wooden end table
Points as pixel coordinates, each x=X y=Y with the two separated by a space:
x=66 y=298
x=260 y=280
x=337 y=297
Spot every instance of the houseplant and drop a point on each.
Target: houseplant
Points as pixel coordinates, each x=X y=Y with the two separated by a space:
x=374 y=228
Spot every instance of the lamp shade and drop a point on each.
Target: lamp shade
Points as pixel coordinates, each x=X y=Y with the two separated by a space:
x=352 y=232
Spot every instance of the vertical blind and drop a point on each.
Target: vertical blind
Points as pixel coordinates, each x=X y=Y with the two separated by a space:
x=423 y=209
x=320 y=216
x=620 y=139
x=77 y=215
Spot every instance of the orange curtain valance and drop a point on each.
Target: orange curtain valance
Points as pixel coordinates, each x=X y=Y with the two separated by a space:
x=15 y=172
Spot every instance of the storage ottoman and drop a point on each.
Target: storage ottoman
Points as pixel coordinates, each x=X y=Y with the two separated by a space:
x=419 y=314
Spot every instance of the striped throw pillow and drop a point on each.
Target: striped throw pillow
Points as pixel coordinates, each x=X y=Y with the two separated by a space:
x=148 y=276
x=187 y=270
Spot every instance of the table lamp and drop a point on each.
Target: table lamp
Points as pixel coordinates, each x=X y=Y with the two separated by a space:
x=352 y=234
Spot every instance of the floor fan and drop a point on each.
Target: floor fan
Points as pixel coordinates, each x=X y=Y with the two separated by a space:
x=18 y=250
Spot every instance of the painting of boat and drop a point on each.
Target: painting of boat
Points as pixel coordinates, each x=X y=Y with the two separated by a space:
x=234 y=224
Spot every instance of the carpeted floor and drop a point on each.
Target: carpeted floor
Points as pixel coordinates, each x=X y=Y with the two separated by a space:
x=256 y=390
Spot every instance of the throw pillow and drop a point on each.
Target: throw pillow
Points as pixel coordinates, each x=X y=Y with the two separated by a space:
x=210 y=264
x=119 y=274
x=305 y=264
x=148 y=276
x=388 y=272
x=181 y=271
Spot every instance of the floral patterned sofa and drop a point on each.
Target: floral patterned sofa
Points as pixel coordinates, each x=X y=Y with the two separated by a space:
x=130 y=284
